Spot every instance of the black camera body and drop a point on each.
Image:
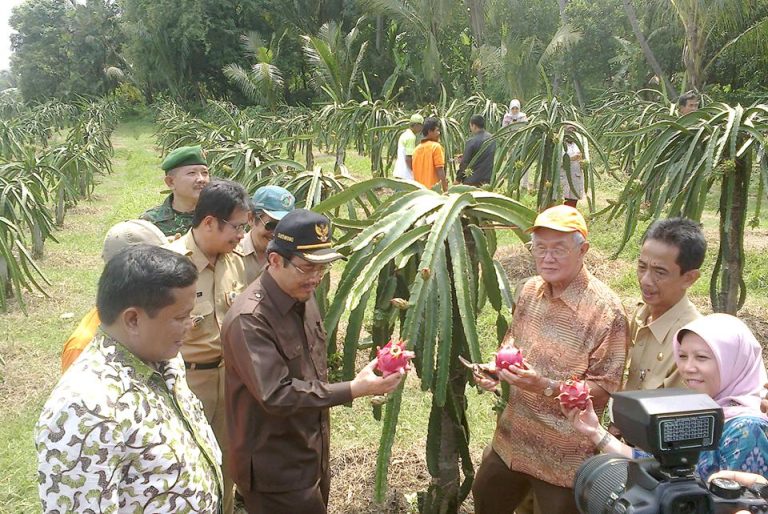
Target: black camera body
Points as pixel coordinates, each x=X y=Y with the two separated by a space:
x=674 y=425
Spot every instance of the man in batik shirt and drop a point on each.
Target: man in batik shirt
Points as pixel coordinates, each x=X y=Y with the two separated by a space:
x=121 y=431
x=568 y=325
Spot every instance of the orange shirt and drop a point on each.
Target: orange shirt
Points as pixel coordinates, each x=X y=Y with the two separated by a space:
x=428 y=156
x=583 y=333
x=80 y=338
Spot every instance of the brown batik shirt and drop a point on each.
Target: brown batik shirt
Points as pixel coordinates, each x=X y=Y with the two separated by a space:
x=581 y=334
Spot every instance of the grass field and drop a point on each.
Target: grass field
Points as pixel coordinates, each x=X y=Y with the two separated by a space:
x=29 y=350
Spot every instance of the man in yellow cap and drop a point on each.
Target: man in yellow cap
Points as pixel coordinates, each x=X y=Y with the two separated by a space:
x=569 y=325
x=186 y=174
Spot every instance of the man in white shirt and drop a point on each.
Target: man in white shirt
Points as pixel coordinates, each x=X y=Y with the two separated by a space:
x=405 y=148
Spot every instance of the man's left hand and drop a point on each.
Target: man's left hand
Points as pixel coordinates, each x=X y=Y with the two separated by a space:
x=527 y=379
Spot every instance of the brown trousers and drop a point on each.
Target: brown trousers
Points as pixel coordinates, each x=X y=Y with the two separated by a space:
x=208 y=386
x=499 y=490
x=312 y=500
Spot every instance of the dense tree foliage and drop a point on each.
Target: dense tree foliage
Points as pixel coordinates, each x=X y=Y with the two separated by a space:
x=410 y=49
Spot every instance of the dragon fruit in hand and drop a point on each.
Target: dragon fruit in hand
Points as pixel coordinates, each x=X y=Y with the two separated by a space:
x=393 y=357
x=508 y=357
x=574 y=393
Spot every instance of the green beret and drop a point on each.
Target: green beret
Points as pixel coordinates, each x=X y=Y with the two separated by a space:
x=184 y=156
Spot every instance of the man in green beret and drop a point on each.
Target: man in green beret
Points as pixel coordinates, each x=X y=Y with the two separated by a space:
x=186 y=174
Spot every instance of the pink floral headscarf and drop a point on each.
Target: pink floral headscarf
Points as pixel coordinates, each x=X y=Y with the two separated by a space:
x=739 y=360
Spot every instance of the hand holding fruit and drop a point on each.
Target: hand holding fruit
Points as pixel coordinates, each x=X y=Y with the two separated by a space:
x=368 y=383
x=584 y=421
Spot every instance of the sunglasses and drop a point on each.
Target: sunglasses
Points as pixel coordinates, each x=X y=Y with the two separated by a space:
x=270 y=225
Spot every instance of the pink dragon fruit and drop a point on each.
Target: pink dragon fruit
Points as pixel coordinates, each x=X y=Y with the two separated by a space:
x=508 y=357
x=574 y=393
x=393 y=357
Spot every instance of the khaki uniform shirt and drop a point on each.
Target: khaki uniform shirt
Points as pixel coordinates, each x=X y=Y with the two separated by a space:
x=581 y=334
x=217 y=288
x=277 y=394
x=651 y=360
x=253 y=268
x=169 y=221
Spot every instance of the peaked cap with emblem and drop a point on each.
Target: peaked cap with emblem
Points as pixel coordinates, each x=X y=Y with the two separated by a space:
x=305 y=234
x=184 y=156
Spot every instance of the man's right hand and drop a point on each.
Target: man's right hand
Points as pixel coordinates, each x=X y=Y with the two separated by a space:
x=485 y=382
x=764 y=402
x=368 y=383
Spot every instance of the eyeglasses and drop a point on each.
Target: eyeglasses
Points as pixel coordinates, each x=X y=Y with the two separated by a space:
x=269 y=226
x=316 y=272
x=242 y=227
x=557 y=253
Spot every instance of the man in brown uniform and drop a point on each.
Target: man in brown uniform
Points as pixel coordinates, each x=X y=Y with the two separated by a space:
x=221 y=216
x=276 y=376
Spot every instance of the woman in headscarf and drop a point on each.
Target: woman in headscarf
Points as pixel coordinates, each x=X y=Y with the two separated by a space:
x=514 y=115
x=717 y=355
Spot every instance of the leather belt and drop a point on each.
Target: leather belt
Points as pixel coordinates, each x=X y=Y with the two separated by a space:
x=202 y=365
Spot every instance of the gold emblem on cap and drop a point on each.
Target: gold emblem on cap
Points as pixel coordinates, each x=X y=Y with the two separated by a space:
x=321 y=229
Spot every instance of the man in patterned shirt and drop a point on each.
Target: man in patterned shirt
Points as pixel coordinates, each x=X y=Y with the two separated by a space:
x=568 y=325
x=186 y=174
x=121 y=431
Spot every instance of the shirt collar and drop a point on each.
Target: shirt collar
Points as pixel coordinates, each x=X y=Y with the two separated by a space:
x=246 y=245
x=573 y=293
x=135 y=366
x=281 y=300
x=661 y=326
x=194 y=252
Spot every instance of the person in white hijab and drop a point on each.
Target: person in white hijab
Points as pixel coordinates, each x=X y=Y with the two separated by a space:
x=515 y=115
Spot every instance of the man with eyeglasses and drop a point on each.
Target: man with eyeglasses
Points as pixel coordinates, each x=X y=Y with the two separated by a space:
x=569 y=325
x=269 y=205
x=277 y=389
x=219 y=223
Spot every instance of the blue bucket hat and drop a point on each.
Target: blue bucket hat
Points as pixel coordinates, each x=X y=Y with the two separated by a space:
x=275 y=201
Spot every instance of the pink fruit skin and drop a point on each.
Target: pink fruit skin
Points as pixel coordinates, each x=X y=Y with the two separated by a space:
x=508 y=357
x=393 y=357
x=574 y=393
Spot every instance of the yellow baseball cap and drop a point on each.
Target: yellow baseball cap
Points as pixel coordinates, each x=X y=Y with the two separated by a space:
x=562 y=218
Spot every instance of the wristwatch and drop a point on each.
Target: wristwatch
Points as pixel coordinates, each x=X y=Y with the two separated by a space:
x=549 y=391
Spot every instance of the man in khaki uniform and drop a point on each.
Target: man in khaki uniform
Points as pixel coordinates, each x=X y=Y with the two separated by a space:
x=672 y=253
x=268 y=206
x=220 y=220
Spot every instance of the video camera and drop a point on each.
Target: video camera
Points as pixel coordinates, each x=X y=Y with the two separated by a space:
x=675 y=426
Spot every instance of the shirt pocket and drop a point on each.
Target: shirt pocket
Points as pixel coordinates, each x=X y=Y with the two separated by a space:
x=202 y=317
x=290 y=346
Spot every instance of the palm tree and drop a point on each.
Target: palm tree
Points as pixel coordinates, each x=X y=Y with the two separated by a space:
x=681 y=161
x=430 y=254
x=263 y=84
x=713 y=28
